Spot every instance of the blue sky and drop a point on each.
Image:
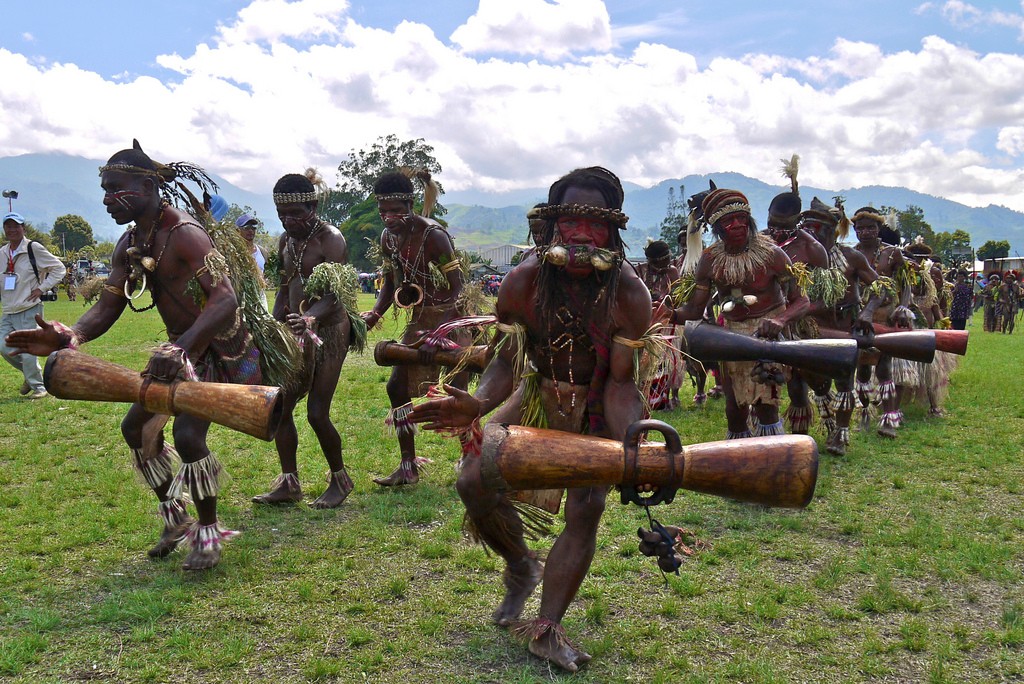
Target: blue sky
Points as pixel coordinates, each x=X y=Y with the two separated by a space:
x=929 y=95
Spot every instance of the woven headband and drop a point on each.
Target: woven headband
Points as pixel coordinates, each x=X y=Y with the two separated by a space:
x=728 y=209
x=294 y=197
x=868 y=215
x=556 y=211
x=396 y=197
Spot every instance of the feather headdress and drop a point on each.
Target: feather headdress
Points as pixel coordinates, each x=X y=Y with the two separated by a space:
x=431 y=190
x=790 y=169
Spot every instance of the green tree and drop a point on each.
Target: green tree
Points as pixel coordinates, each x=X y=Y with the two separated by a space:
x=362 y=231
x=104 y=250
x=675 y=218
x=953 y=248
x=38 y=236
x=994 y=249
x=362 y=168
x=912 y=224
x=72 y=232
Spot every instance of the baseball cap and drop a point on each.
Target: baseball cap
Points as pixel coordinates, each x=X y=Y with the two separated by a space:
x=14 y=216
x=218 y=207
x=244 y=219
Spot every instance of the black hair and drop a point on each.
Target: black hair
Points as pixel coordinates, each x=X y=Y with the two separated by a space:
x=293 y=182
x=392 y=182
x=134 y=157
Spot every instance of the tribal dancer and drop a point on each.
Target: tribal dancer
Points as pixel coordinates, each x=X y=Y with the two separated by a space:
x=658 y=274
x=963 y=296
x=835 y=295
x=990 y=297
x=1009 y=303
x=170 y=254
x=691 y=246
x=317 y=300
x=889 y=264
x=808 y=258
x=422 y=274
x=755 y=280
x=578 y=313
x=925 y=278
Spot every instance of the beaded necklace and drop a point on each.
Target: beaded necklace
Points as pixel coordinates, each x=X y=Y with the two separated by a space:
x=574 y=327
x=139 y=260
x=410 y=269
x=297 y=259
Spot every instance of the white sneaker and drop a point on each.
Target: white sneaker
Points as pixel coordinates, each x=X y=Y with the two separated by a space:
x=38 y=394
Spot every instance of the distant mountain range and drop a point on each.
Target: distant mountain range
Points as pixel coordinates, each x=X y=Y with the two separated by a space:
x=50 y=185
x=476 y=224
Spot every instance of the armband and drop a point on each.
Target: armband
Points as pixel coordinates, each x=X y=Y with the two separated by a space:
x=452 y=265
x=510 y=328
x=632 y=344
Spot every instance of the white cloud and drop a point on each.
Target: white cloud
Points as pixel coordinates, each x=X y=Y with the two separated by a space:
x=252 y=110
x=271 y=20
x=552 y=30
x=1011 y=140
x=28 y=37
x=965 y=15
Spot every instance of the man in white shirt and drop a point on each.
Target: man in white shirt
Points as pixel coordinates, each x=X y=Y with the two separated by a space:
x=247 y=225
x=24 y=283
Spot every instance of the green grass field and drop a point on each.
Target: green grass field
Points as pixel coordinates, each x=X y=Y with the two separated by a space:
x=906 y=567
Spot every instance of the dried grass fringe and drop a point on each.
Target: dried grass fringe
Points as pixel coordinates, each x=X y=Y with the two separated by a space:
x=533 y=522
x=531 y=630
x=172 y=512
x=397 y=421
x=155 y=471
x=844 y=401
x=737 y=269
x=208 y=537
x=770 y=430
x=203 y=478
x=906 y=373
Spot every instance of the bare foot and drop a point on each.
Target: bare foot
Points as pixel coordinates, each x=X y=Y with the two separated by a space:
x=519 y=584
x=339 y=485
x=406 y=473
x=207 y=542
x=555 y=647
x=285 y=489
x=835 y=444
x=202 y=559
x=887 y=431
x=171 y=537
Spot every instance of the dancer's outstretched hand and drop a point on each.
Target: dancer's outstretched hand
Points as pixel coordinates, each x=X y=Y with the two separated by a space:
x=41 y=341
x=459 y=409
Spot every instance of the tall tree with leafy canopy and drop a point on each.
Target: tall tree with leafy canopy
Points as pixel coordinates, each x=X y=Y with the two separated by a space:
x=675 y=218
x=994 y=249
x=912 y=224
x=358 y=173
x=352 y=206
x=953 y=248
x=71 y=233
x=362 y=231
x=35 y=235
